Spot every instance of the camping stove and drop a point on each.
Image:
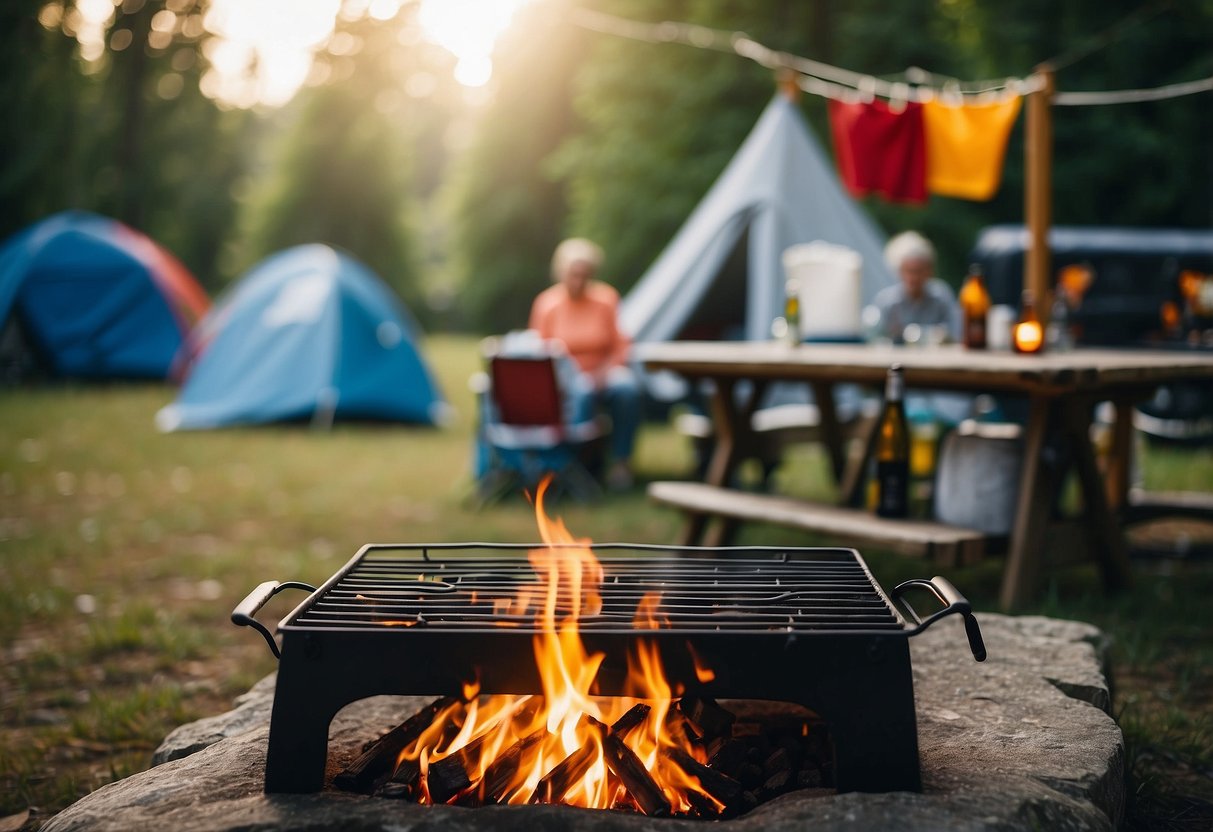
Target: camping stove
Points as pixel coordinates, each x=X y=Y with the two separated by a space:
x=801 y=625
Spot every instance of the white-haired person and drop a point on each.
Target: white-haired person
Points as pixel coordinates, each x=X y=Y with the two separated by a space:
x=583 y=313
x=919 y=297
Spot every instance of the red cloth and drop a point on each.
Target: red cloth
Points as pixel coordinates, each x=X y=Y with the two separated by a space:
x=879 y=150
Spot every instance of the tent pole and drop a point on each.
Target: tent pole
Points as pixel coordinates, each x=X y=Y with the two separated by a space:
x=1038 y=203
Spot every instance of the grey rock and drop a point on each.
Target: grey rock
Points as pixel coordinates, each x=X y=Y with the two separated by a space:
x=1008 y=744
x=252 y=711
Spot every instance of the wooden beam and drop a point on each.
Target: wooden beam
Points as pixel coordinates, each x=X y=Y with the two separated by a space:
x=1038 y=196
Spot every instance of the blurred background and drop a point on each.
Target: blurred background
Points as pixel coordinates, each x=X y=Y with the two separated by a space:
x=449 y=144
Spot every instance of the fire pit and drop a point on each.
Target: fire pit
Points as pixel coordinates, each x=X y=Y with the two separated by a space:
x=799 y=625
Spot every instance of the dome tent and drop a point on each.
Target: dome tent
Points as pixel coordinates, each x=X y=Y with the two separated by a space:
x=309 y=333
x=90 y=297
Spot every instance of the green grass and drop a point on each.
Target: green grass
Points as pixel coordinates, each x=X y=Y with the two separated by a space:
x=123 y=551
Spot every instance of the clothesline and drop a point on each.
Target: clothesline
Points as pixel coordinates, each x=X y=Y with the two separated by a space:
x=828 y=81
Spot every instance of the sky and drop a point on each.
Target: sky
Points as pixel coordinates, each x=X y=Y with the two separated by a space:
x=280 y=37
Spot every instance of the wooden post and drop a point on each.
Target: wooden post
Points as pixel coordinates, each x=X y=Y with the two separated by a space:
x=1038 y=201
x=787 y=81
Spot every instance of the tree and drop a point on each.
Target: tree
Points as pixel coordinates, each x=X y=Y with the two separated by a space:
x=40 y=100
x=507 y=211
x=340 y=170
x=124 y=132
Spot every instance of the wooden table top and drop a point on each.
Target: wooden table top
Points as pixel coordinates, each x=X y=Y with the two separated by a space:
x=941 y=367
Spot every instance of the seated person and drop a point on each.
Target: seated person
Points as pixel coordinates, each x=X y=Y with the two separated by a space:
x=919 y=297
x=583 y=313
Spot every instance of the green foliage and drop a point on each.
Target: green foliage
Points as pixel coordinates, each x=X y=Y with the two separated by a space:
x=340 y=171
x=662 y=121
x=126 y=135
x=38 y=132
x=507 y=213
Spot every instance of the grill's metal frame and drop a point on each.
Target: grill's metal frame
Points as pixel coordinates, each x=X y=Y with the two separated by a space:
x=855 y=675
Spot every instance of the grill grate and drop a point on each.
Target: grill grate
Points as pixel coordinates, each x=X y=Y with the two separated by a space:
x=464 y=589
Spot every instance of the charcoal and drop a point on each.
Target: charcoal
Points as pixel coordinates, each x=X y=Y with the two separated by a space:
x=726 y=755
x=808 y=778
x=750 y=775
x=394 y=791
x=709 y=719
x=776 y=784
x=793 y=746
x=776 y=761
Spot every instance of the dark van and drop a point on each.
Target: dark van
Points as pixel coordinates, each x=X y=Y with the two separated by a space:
x=1148 y=287
x=1136 y=271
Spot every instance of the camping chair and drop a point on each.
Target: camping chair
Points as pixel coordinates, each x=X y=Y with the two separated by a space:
x=526 y=432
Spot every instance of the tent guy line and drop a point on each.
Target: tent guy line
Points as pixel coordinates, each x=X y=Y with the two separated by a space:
x=829 y=81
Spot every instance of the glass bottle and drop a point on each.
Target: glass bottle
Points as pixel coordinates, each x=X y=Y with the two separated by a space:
x=893 y=450
x=791 y=311
x=1058 y=334
x=974 y=306
x=1029 y=334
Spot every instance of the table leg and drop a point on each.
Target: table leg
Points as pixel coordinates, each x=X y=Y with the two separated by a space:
x=831 y=432
x=1120 y=457
x=1037 y=488
x=733 y=426
x=851 y=486
x=1107 y=536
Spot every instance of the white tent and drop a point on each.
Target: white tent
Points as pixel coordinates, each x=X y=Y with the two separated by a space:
x=779 y=190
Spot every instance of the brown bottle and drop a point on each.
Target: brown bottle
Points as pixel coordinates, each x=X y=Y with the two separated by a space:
x=893 y=450
x=974 y=305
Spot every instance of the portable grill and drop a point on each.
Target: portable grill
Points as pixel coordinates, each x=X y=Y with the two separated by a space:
x=802 y=625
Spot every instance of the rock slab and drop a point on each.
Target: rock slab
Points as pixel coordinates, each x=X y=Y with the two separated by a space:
x=1022 y=741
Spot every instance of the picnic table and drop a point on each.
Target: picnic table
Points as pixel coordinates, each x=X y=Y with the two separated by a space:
x=1061 y=389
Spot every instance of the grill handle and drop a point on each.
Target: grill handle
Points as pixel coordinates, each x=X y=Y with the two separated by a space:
x=243 y=615
x=952 y=601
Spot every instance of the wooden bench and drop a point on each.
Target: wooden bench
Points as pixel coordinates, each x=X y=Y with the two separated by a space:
x=946 y=545
x=773 y=430
x=1144 y=505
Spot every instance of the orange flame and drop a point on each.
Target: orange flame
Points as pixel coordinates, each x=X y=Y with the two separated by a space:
x=537 y=735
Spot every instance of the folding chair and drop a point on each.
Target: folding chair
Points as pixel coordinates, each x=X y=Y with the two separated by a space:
x=527 y=433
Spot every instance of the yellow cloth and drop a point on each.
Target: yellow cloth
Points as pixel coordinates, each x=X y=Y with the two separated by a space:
x=966 y=145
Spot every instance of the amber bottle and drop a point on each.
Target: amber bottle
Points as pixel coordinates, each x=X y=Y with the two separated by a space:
x=974 y=306
x=1029 y=335
x=893 y=450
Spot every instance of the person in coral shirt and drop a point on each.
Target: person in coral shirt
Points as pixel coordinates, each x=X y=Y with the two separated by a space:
x=583 y=314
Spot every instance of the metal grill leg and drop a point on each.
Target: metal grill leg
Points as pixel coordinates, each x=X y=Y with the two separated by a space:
x=299 y=739
x=876 y=744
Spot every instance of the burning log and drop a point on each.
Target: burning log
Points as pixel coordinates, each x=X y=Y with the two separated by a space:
x=378 y=763
x=504 y=769
x=640 y=784
x=720 y=786
x=447 y=777
x=557 y=782
x=706 y=715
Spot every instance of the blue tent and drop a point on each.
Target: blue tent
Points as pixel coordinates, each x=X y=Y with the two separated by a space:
x=309 y=333
x=93 y=298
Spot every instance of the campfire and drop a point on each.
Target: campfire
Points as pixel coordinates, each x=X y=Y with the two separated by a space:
x=651 y=750
x=613 y=656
